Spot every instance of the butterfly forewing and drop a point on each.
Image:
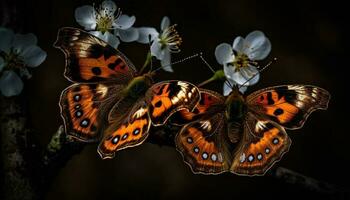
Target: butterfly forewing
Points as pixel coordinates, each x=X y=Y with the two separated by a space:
x=166 y=98
x=210 y=103
x=288 y=105
x=90 y=59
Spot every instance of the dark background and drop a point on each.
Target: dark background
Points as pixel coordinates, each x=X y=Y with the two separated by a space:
x=307 y=38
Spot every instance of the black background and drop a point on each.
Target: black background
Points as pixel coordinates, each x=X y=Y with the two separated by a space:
x=307 y=38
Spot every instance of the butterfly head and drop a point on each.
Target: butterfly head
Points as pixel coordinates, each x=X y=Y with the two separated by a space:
x=235 y=106
x=139 y=85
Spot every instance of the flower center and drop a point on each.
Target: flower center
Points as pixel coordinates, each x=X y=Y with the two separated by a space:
x=105 y=18
x=171 y=38
x=241 y=60
x=12 y=60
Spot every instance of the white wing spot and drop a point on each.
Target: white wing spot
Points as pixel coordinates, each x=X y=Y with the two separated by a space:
x=242 y=158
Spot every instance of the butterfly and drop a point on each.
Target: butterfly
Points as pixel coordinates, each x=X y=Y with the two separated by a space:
x=109 y=101
x=244 y=135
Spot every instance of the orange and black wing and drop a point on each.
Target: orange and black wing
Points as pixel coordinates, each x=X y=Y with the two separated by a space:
x=288 y=105
x=83 y=107
x=166 y=98
x=203 y=141
x=131 y=131
x=210 y=103
x=204 y=145
x=90 y=59
x=262 y=144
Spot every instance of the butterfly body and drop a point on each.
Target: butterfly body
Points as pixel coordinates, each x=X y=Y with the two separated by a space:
x=244 y=135
x=236 y=107
x=110 y=102
x=138 y=86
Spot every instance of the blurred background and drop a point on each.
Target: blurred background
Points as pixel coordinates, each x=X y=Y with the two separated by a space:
x=307 y=38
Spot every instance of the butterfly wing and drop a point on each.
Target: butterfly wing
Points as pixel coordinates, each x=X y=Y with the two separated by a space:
x=82 y=107
x=166 y=98
x=203 y=141
x=288 y=105
x=263 y=143
x=90 y=59
x=131 y=131
x=204 y=145
x=209 y=103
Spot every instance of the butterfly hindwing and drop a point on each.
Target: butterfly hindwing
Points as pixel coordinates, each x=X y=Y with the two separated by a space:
x=262 y=144
x=166 y=98
x=131 y=131
x=204 y=145
x=90 y=59
x=82 y=107
x=288 y=105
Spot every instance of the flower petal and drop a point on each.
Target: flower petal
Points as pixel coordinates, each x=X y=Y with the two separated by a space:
x=238 y=44
x=6 y=39
x=10 y=83
x=107 y=37
x=33 y=56
x=227 y=88
x=250 y=74
x=165 y=23
x=235 y=76
x=243 y=89
x=128 y=35
x=2 y=63
x=156 y=50
x=144 y=33
x=124 y=22
x=109 y=6
x=257 y=46
x=166 y=61
x=224 y=53
x=22 y=42
x=85 y=16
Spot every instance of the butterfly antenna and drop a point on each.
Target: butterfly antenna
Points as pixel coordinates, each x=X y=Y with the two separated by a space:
x=149 y=43
x=211 y=69
x=176 y=62
x=260 y=70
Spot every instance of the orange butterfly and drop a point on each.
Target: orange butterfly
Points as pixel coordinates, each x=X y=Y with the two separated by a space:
x=109 y=101
x=244 y=135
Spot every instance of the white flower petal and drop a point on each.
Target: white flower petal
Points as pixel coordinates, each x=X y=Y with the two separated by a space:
x=85 y=16
x=10 y=83
x=109 y=5
x=156 y=50
x=165 y=23
x=238 y=44
x=166 y=61
x=2 y=63
x=6 y=39
x=107 y=37
x=233 y=75
x=250 y=74
x=22 y=42
x=144 y=33
x=128 y=35
x=229 y=70
x=33 y=56
x=227 y=88
x=124 y=22
x=257 y=46
x=224 y=53
x=243 y=89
